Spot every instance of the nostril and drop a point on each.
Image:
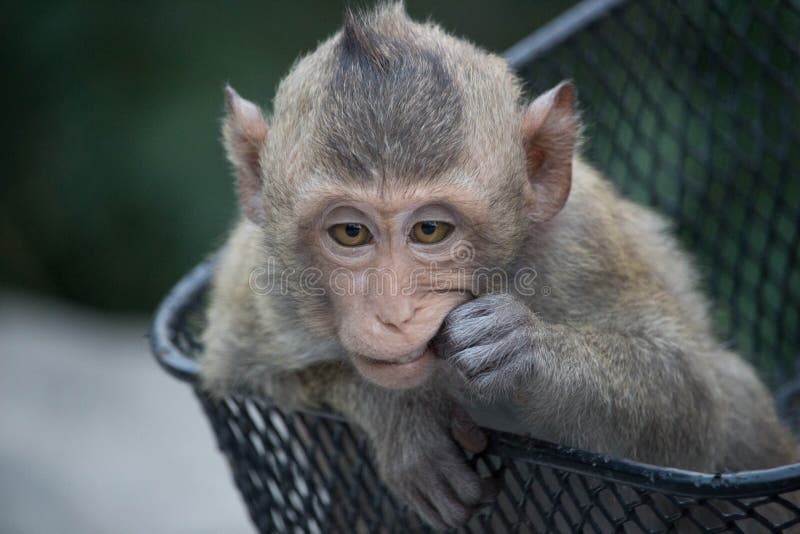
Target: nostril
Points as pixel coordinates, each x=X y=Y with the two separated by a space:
x=389 y=325
x=408 y=315
x=398 y=317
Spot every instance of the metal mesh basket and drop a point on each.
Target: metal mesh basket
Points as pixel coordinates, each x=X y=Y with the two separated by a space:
x=692 y=107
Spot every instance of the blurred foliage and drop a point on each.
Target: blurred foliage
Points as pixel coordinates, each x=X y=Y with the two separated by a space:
x=114 y=181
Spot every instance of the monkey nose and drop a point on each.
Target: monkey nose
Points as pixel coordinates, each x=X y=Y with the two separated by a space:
x=397 y=316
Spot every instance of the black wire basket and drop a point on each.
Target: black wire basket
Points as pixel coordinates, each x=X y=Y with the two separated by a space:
x=691 y=107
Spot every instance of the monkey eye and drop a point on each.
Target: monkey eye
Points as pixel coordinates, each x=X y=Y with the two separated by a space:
x=429 y=232
x=350 y=234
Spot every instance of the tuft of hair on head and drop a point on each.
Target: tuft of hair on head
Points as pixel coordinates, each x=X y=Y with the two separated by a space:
x=372 y=34
x=389 y=82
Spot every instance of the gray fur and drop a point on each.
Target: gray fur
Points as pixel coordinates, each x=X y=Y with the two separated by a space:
x=392 y=109
x=617 y=354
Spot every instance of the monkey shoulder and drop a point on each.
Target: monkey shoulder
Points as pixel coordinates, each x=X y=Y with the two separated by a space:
x=235 y=338
x=605 y=254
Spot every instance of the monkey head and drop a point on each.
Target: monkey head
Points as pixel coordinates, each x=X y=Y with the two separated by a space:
x=398 y=163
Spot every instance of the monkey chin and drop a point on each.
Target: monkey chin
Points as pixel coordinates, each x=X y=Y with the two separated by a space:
x=396 y=375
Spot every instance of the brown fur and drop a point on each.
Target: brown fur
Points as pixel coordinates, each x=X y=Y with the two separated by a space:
x=612 y=353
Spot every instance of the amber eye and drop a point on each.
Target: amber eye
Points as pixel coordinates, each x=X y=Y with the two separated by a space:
x=350 y=234
x=429 y=232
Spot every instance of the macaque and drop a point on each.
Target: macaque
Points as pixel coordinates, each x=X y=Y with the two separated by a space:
x=397 y=149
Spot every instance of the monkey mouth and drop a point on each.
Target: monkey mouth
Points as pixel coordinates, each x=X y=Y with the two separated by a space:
x=401 y=360
x=398 y=373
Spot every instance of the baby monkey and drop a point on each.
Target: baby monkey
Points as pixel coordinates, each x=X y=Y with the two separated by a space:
x=415 y=239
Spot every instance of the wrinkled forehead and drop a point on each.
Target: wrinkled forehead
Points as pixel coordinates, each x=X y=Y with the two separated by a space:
x=391 y=198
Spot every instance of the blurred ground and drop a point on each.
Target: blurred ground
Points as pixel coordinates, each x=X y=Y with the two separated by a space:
x=94 y=437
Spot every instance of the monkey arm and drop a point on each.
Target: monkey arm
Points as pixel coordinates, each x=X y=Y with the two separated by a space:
x=629 y=394
x=413 y=434
x=632 y=395
x=658 y=397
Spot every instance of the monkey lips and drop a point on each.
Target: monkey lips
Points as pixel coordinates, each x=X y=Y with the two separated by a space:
x=398 y=373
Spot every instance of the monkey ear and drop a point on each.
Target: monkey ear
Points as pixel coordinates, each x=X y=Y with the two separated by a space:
x=550 y=131
x=245 y=132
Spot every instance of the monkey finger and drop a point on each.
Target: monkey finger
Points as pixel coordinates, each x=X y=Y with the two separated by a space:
x=456 y=498
x=425 y=508
x=439 y=345
x=466 y=433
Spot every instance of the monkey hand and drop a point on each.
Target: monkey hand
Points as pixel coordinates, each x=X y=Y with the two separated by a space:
x=427 y=469
x=488 y=340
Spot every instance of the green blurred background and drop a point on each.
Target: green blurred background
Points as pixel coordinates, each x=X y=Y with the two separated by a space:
x=114 y=181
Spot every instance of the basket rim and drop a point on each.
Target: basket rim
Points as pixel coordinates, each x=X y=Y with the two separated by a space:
x=559 y=29
x=171 y=314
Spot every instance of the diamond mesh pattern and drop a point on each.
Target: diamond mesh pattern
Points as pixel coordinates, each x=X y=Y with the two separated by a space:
x=691 y=107
x=305 y=472
x=694 y=108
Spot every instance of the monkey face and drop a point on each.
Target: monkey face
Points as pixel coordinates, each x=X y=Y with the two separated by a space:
x=392 y=277
x=357 y=191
